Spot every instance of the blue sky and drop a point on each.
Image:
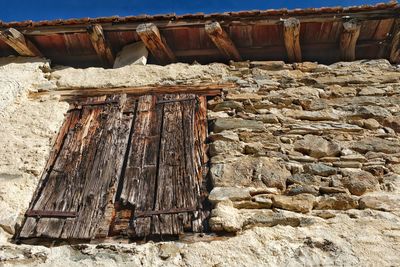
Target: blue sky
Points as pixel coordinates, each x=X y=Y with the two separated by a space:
x=18 y=10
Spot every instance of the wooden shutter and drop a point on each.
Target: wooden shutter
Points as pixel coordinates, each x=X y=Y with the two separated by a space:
x=132 y=167
x=78 y=186
x=164 y=179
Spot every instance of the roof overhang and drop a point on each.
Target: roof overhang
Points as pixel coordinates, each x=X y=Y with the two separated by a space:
x=325 y=35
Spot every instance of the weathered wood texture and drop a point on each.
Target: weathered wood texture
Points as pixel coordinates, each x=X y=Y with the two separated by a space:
x=157 y=45
x=202 y=89
x=19 y=43
x=82 y=174
x=222 y=41
x=163 y=190
x=291 y=31
x=100 y=44
x=348 y=40
x=131 y=166
x=395 y=45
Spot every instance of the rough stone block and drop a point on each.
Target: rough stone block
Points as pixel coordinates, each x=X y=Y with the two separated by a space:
x=225 y=218
x=336 y=202
x=317 y=147
x=320 y=169
x=300 y=203
x=132 y=54
x=379 y=201
x=359 y=182
x=250 y=171
x=223 y=124
x=219 y=194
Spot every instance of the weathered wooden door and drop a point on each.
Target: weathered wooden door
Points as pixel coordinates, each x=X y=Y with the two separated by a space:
x=131 y=167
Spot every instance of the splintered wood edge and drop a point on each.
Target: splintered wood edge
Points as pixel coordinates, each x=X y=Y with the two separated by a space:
x=69 y=93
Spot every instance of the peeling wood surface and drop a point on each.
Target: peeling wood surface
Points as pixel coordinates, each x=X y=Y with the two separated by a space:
x=124 y=166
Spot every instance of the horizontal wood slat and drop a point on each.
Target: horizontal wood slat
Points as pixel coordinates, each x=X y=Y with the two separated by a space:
x=201 y=89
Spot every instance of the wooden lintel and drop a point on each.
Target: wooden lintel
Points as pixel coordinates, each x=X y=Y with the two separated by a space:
x=19 y=43
x=100 y=44
x=348 y=40
x=222 y=41
x=291 y=31
x=156 y=44
x=204 y=89
x=395 y=45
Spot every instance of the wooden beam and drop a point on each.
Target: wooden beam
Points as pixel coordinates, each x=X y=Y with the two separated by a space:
x=291 y=31
x=348 y=40
x=395 y=45
x=202 y=89
x=19 y=43
x=222 y=41
x=100 y=44
x=156 y=44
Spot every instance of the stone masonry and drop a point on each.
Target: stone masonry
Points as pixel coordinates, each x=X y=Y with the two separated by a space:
x=305 y=138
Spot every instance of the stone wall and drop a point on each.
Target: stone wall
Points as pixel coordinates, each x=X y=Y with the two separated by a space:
x=311 y=150
x=305 y=138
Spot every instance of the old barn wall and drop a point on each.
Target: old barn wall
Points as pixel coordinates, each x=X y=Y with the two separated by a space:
x=313 y=150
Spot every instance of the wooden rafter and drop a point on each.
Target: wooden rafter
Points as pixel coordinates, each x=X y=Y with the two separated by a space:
x=395 y=45
x=291 y=31
x=100 y=44
x=222 y=41
x=19 y=43
x=348 y=40
x=156 y=44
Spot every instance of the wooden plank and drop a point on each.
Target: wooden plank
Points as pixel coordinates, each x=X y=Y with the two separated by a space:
x=103 y=171
x=394 y=56
x=206 y=89
x=151 y=37
x=141 y=171
x=100 y=44
x=200 y=163
x=170 y=168
x=348 y=40
x=19 y=43
x=189 y=189
x=222 y=41
x=291 y=31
